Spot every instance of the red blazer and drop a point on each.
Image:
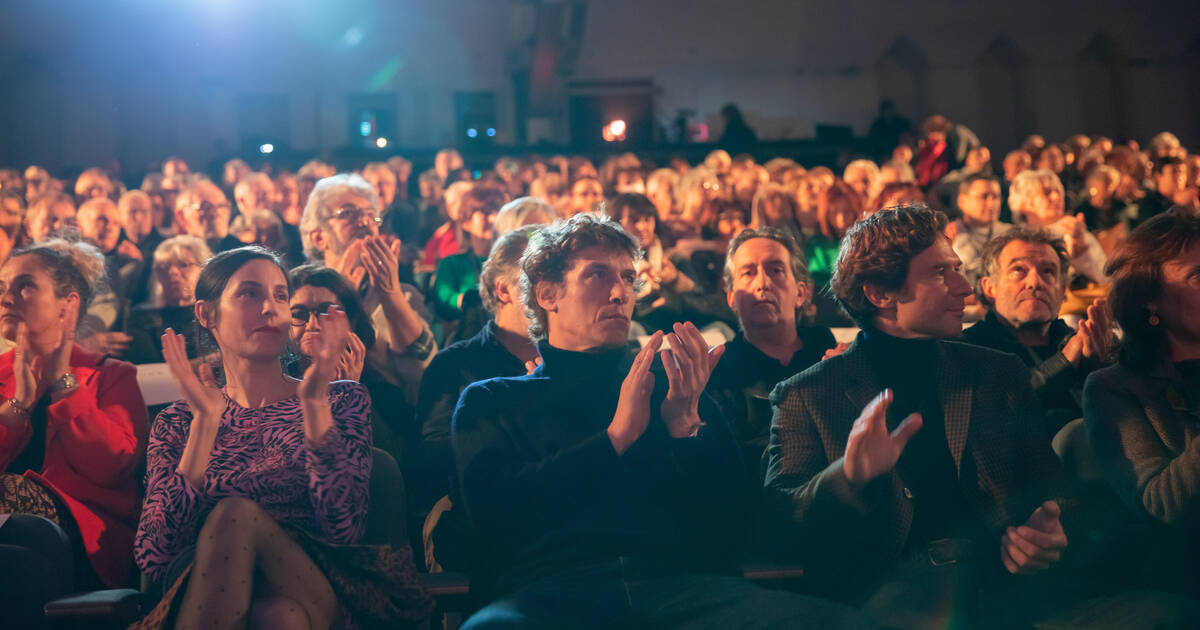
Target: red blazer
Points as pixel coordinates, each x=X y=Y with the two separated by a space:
x=95 y=445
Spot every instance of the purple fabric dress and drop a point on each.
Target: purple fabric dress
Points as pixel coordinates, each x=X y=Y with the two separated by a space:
x=260 y=454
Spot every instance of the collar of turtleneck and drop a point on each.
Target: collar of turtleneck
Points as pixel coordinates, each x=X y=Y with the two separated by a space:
x=595 y=363
x=906 y=365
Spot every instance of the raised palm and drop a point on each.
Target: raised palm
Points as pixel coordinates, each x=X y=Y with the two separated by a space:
x=871 y=450
x=200 y=392
x=328 y=345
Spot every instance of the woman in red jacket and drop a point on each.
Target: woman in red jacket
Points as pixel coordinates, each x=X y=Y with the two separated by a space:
x=73 y=431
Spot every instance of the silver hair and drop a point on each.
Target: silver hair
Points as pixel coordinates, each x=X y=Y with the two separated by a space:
x=318 y=211
x=175 y=248
x=515 y=213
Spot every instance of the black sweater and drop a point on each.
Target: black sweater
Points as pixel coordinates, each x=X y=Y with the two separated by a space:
x=547 y=492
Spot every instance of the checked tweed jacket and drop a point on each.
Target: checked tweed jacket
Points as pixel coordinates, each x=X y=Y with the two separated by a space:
x=851 y=537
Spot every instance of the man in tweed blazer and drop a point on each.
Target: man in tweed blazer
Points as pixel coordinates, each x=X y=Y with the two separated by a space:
x=963 y=480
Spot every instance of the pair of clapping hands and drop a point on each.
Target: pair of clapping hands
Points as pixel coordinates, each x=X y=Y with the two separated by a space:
x=872 y=450
x=688 y=362
x=328 y=359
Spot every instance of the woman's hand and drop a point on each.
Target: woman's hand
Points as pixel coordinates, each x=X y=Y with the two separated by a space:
x=328 y=345
x=27 y=371
x=201 y=393
x=350 y=365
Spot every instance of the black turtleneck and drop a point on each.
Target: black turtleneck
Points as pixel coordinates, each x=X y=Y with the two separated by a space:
x=909 y=368
x=547 y=492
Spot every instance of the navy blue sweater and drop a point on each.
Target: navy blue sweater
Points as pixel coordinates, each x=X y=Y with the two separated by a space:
x=547 y=492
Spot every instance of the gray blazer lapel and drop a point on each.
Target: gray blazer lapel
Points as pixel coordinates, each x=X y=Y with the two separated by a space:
x=861 y=385
x=955 y=391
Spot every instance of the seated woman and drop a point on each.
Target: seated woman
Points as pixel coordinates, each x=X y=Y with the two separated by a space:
x=72 y=436
x=315 y=289
x=1143 y=413
x=257 y=493
x=177 y=263
x=456 y=281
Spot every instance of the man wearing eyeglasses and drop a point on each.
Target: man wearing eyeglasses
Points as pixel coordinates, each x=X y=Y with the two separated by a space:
x=202 y=210
x=340 y=227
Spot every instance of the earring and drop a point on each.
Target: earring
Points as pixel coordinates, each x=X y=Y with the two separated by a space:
x=1153 y=320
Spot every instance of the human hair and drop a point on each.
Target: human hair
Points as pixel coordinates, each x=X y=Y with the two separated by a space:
x=662 y=177
x=897 y=193
x=73 y=266
x=129 y=196
x=1030 y=183
x=486 y=198
x=877 y=250
x=796 y=255
x=318 y=209
x=318 y=275
x=861 y=165
x=42 y=205
x=936 y=124
x=248 y=181
x=188 y=195
x=840 y=190
x=504 y=261
x=553 y=249
x=382 y=168
x=775 y=192
x=964 y=186
x=13 y=193
x=215 y=276
x=1161 y=163
x=522 y=211
x=1136 y=270
x=636 y=204
x=175 y=248
x=95 y=173
x=989 y=257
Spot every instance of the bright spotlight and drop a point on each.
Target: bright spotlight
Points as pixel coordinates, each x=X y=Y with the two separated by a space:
x=472 y=132
x=266 y=148
x=491 y=132
x=381 y=142
x=614 y=131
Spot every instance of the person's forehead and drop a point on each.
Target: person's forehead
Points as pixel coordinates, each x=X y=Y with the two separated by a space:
x=349 y=197
x=937 y=254
x=311 y=295
x=263 y=272
x=981 y=186
x=599 y=255
x=757 y=250
x=1035 y=252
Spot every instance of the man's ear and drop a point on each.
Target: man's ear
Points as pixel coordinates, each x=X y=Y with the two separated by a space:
x=73 y=302
x=547 y=296
x=803 y=293
x=989 y=290
x=317 y=238
x=505 y=292
x=880 y=298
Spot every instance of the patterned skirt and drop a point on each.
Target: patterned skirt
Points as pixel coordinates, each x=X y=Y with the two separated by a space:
x=376 y=586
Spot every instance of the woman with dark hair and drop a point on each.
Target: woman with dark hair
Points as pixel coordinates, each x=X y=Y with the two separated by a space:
x=317 y=288
x=1143 y=413
x=72 y=435
x=256 y=497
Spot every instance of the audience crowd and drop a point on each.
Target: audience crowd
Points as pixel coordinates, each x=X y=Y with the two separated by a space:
x=954 y=389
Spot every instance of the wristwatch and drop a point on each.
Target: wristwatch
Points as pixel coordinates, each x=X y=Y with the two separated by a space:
x=65 y=382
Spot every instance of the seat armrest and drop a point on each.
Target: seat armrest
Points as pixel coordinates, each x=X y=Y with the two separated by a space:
x=123 y=603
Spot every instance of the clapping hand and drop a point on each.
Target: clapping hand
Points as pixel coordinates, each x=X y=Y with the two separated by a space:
x=1035 y=545
x=382 y=262
x=633 y=405
x=328 y=345
x=34 y=375
x=201 y=392
x=1094 y=337
x=688 y=363
x=350 y=365
x=871 y=450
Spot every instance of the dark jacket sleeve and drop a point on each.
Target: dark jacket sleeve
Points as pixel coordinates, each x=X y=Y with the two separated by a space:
x=1150 y=477
x=435 y=410
x=807 y=492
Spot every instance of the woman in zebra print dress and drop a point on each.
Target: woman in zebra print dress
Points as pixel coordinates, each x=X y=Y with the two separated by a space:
x=257 y=493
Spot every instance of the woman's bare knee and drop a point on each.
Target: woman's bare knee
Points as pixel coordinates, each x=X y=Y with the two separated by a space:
x=278 y=612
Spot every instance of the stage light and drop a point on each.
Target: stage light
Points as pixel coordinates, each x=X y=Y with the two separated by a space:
x=472 y=133
x=381 y=142
x=491 y=132
x=614 y=131
x=266 y=148
x=364 y=128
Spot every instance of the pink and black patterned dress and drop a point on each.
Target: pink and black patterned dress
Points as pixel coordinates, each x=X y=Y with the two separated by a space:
x=260 y=454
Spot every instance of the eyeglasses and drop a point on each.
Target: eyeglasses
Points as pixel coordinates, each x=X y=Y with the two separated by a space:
x=354 y=214
x=301 y=313
x=208 y=207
